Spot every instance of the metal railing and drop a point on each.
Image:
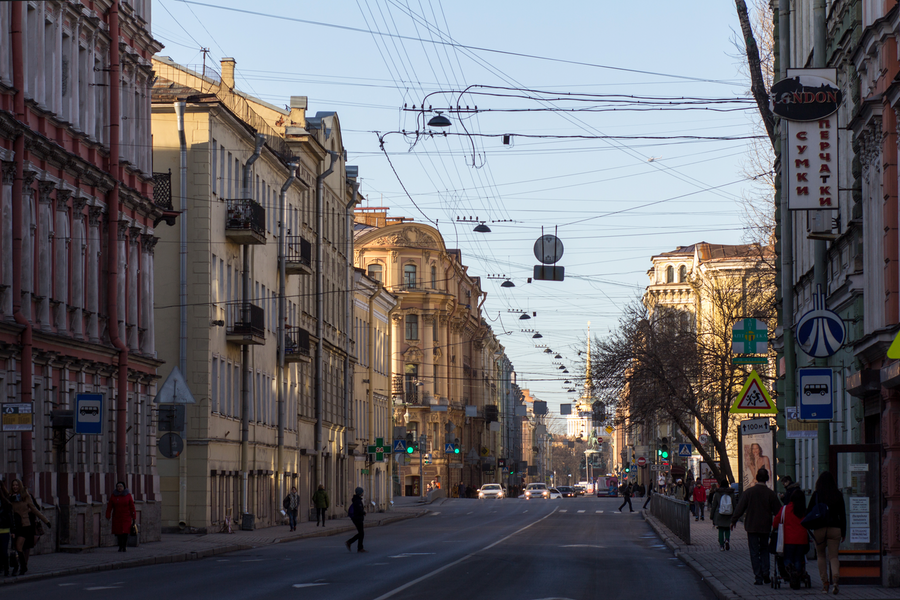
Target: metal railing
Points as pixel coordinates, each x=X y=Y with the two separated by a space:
x=243 y=213
x=296 y=343
x=246 y=319
x=674 y=514
x=162 y=190
x=298 y=250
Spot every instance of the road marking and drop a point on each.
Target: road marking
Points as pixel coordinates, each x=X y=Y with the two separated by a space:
x=409 y=584
x=470 y=512
x=306 y=585
x=564 y=510
x=580 y=511
x=599 y=512
x=102 y=587
x=582 y=546
x=64 y=584
x=406 y=554
x=253 y=560
x=434 y=514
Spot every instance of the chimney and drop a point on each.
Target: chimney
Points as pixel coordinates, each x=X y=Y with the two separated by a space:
x=298 y=111
x=228 y=71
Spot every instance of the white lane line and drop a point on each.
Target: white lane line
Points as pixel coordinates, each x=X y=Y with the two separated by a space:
x=406 y=554
x=306 y=585
x=470 y=512
x=599 y=512
x=580 y=511
x=409 y=584
x=253 y=560
x=564 y=510
x=434 y=514
x=103 y=587
x=64 y=584
x=582 y=546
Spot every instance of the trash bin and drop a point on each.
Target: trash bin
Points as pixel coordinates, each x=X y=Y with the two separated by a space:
x=248 y=522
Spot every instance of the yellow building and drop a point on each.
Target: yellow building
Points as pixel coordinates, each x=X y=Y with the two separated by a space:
x=442 y=387
x=253 y=298
x=372 y=406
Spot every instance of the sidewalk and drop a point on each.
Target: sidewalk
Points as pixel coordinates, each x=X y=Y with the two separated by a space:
x=729 y=574
x=183 y=547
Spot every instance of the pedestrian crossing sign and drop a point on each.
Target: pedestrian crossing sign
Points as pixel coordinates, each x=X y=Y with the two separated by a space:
x=753 y=398
x=894 y=350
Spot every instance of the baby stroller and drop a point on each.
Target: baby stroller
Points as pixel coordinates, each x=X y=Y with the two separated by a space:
x=783 y=571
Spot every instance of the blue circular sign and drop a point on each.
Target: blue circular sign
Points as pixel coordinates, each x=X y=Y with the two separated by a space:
x=820 y=333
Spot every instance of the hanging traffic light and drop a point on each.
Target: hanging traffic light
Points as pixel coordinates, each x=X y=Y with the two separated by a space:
x=664 y=451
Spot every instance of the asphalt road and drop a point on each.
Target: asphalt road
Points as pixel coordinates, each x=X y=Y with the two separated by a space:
x=573 y=548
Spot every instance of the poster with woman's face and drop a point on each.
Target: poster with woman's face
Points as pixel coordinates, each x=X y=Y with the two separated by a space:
x=757 y=452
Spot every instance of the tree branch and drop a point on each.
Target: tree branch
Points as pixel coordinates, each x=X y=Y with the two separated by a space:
x=757 y=83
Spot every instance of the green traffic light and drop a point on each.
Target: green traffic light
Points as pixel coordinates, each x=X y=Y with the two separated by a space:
x=664 y=454
x=455 y=449
x=410 y=449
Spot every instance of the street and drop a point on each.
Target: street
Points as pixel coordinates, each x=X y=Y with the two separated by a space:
x=576 y=548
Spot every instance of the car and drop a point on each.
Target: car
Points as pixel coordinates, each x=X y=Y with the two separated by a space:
x=555 y=494
x=580 y=490
x=536 y=490
x=566 y=491
x=491 y=490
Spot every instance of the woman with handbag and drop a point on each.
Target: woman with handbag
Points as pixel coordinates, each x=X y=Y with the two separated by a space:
x=795 y=538
x=827 y=519
x=25 y=529
x=121 y=508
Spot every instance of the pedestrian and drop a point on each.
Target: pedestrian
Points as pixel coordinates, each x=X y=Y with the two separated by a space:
x=661 y=484
x=709 y=498
x=291 y=504
x=462 y=490
x=120 y=510
x=357 y=513
x=680 y=492
x=789 y=485
x=720 y=513
x=626 y=490
x=24 y=526
x=699 y=496
x=796 y=537
x=830 y=529
x=6 y=521
x=649 y=495
x=761 y=504
x=321 y=502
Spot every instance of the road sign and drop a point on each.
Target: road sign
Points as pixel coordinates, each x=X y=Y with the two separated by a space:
x=548 y=249
x=399 y=446
x=894 y=350
x=703 y=438
x=654 y=467
x=796 y=429
x=816 y=398
x=755 y=426
x=379 y=450
x=641 y=461
x=609 y=429
x=89 y=414
x=448 y=448
x=820 y=332
x=17 y=416
x=750 y=336
x=685 y=450
x=753 y=398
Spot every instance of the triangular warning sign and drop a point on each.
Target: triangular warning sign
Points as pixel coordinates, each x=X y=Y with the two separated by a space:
x=894 y=350
x=175 y=390
x=754 y=398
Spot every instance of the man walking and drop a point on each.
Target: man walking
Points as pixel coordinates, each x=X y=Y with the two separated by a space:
x=626 y=492
x=321 y=502
x=357 y=514
x=699 y=501
x=290 y=504
x=761 y=505
x=649 y=495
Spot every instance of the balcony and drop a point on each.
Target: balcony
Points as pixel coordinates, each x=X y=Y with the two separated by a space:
x=298 y=256
x=296 y=346
x=246 y=324
x=245 y=221
x=162 y=190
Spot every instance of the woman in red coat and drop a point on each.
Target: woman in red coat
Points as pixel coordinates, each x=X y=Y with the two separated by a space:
x=121 y=509
x=796 y=537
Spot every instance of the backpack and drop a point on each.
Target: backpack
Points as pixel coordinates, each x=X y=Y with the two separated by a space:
x=726 y=506
x=351 y=511
x=286 y=503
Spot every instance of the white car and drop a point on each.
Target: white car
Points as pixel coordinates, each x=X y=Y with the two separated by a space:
x=555 y=493
x=491 y=490
x=536 y=490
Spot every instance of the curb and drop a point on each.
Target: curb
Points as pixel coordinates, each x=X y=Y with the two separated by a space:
x=195 y=555
x=721 y=591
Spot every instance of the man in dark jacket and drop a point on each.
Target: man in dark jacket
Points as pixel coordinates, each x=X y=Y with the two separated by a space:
x=626 y=490
x=357 y=513
x=760 y=505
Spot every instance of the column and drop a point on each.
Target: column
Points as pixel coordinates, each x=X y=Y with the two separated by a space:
x=121 y=283
x=95 y=213
x=148 y=342
x=428 y=357
x=45 y=253
x=79 y=248
x=134 y=293
x=28 y=236
x=396 y=358
x=6 y=222
x=61 y=262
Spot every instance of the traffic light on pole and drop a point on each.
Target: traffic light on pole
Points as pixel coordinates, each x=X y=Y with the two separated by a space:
x=411 y=444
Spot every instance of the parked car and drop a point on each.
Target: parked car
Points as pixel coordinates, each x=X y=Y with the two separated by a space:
x=491 y=490
x=536 y=490
x=566 y=491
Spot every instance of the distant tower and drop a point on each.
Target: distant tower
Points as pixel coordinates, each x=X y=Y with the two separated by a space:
x=579 y=425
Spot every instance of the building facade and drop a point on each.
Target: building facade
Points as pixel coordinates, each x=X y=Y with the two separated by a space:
x=77 y=240
x=262 y=290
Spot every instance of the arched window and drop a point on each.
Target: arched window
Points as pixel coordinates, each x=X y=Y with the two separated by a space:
x=412 y=327
x=409 y=276
x=375 y=272
x=682 y=274
x=433 y=277
x=670 y=274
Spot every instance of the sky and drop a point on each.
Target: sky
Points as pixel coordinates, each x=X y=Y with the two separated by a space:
x=610 y=108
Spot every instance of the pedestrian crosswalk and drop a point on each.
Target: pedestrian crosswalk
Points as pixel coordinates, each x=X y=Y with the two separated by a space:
x=599 y=512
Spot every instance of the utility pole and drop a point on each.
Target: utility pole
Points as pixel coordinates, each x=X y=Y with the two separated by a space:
x=423 y=439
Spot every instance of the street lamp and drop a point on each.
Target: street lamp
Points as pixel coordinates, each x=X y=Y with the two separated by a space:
x=439 y=120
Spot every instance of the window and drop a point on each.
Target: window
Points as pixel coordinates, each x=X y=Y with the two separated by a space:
x=410 y=379
x=682 y=274
x=375 y=272
x=434 y=330
x=215 y=166
x=670 y=274
x=409 y=276
x=412 y=327
x=433 y=277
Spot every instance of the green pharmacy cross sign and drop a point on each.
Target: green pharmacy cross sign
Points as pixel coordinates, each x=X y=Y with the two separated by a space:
x=750 y=336
x=379 y=450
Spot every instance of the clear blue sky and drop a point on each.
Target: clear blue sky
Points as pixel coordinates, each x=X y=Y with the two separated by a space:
x=367 y=59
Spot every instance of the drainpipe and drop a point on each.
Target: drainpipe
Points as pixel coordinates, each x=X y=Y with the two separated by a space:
x=246 y=378
x=18 y=56
x=182 y=295
x=282 y=382
x=320 y=310
x=348 y=327
x=787 y=256
x=370 y=395
x=112 y=203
